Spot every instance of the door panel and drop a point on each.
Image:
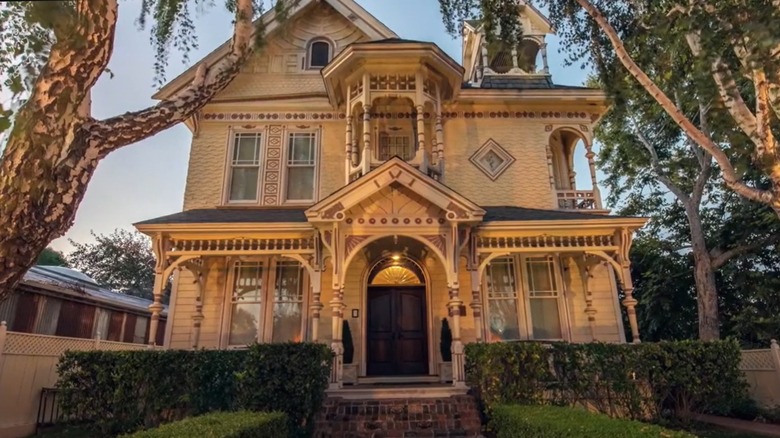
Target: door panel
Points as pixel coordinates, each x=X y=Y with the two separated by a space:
x=397 y=339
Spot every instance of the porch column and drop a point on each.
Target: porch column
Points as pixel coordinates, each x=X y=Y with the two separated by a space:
x=586 y=269
x=156 y=307
x=420 y=155
x=350 y=159
x=316 y=306
x=458 y=365
x=337 y=307
x=476 y=303
x=198 y=317
x=544 y=59
x=630 y=302
x=366 y=139
x=590 y=155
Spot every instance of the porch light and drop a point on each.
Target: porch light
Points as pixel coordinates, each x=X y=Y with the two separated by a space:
x=396 y=257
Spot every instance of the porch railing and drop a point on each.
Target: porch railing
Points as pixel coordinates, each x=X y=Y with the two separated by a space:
x=578 y=200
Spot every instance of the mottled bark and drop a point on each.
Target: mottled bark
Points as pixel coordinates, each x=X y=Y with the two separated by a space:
x=729 y=174
x=55 y=146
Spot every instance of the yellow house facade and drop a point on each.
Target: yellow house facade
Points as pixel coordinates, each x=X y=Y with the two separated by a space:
x=351 y=176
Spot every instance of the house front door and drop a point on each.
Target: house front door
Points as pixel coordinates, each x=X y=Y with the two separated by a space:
x=396 y=338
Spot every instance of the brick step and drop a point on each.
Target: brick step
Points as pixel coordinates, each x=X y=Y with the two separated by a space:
x=455 y=416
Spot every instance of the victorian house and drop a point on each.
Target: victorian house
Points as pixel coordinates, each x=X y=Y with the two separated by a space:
x=348 y=174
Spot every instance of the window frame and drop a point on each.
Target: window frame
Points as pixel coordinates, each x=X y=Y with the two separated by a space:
x=523 y=297
x=308 y=55
x=317 y=135
x=267 y=300
x=233 y=135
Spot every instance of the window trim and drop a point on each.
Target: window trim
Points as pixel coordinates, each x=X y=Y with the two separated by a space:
x=228 y=170
x=317 y=164
x=310 y=45
x=265 y=328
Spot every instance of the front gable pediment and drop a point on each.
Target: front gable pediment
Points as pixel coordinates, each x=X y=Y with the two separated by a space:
x=396 y=193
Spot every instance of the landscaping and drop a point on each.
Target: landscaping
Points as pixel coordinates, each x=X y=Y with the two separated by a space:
x=222 y=425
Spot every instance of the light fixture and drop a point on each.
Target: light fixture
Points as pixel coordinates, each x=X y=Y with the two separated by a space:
x=396 y=257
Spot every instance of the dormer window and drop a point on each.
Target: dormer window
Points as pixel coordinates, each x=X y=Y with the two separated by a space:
x=319 y=54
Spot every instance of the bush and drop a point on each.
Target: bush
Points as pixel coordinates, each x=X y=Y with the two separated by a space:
x=556 y=422
x=445 y=342
x=642 y=381
x=122 y=391
x=222 y=425
x=349 y=347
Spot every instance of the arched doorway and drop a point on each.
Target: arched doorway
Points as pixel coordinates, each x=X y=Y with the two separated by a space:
x=396 y=323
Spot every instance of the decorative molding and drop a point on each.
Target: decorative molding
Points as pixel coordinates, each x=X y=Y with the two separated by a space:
x=333 y=211
x=411 y=221
x=492 y=159
x=335 y=116
x=273 y=166
x=351 y=242
x=458 y=211
x=437 y=241
x=606 y=241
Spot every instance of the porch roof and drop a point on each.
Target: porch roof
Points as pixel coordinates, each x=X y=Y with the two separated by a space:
x=296 y=215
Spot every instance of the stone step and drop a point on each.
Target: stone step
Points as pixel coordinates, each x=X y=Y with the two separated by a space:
x=454 y=416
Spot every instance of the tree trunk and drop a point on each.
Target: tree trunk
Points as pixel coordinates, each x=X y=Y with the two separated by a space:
x=704 y=277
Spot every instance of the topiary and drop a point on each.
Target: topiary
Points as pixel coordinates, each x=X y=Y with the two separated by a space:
x=445 y=342
x=349 y=347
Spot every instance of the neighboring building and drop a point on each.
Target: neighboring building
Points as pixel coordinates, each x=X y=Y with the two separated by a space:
x=347 y=174
x=58 y=301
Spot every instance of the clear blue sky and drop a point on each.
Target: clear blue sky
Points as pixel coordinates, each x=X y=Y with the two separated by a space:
x=146 y=180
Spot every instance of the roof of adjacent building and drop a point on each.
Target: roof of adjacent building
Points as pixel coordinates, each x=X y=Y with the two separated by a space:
x=70 y=282
x=509 y=82
x=296 y=215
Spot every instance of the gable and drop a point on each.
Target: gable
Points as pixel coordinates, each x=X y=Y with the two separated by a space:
x=372 y=28
x=395 y=187
x=278 y=71
x=396 y=204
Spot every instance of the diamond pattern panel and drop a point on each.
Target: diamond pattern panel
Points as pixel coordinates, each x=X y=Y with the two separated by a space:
x=492 y=159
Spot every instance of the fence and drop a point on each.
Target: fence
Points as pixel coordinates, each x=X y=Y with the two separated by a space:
x=28 y=364
x=762 y=371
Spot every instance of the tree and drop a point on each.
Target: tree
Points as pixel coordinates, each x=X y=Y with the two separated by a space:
x=52 y=54
x=122 y=261
x=733 y=45
x=51 y=257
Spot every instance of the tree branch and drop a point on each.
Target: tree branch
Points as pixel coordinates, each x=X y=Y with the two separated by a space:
x=659 y=172
x=119 y=131
x=721 y=257
x=704 y=158
x=730 y=176
x=767 y=151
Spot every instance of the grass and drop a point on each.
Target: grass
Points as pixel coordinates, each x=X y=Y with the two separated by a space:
x=706 y=431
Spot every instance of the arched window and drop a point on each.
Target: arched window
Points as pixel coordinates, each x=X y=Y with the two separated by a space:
x=319 y=54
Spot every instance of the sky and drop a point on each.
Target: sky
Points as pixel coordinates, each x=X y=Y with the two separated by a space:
x=146 y=180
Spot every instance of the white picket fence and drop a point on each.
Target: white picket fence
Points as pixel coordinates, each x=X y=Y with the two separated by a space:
x=762 y=371
x=28 y=363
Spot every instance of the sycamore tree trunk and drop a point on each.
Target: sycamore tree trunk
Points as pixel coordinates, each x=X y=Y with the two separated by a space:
x=767 y=157
x=55 y=145
x=704 y=279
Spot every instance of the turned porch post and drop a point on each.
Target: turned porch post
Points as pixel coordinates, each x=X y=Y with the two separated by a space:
x=316 y=305
x=350 y=158
x=156 y=307
x=337 y=307
x=458 y=364
x=629 y=301
x=366 y=139
x=197 y=317
x=476 y=303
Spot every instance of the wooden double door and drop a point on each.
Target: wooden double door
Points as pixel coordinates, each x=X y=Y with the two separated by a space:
x=397 y=341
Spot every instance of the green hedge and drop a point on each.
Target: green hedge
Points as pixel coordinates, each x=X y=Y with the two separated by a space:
x=122 y=391
x=643 y=381
x=510 y=421
x=222 y=425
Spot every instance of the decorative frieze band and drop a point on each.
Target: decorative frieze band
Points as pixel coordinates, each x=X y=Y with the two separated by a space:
x=335 y=116
x=596 y=241
x=304 y=244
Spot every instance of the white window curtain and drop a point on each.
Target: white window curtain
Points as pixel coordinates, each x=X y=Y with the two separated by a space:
x=139 y=337
x=502 y=300
x=301 y=160
x=8 y=309
x=245 y=166
x=288 y=302
x=543 y=298
x=49 y=316
x=102 y=319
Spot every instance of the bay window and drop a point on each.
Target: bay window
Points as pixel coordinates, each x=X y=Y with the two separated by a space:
x=244 y=173
x=267 y=302
x=301 y=161
x=531 y=311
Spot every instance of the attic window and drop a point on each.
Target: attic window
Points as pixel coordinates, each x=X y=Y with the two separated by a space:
x=319 y=54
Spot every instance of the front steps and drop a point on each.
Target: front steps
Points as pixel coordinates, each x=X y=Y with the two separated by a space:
x=449 y=416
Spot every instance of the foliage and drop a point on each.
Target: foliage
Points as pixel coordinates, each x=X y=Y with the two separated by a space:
x=122 y=391
x=637 y=381
x=222 y=425
x=511 y=421
x=122 y=261
x=445 y=343
x=349 y=346
x=52 y=257
x=499 y=19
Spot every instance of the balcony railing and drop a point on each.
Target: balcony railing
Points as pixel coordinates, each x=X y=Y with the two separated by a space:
x=578 y=200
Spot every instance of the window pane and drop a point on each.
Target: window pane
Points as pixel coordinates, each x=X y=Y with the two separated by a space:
x=246 y=149
x=540 y=275
x=141 y=327
x=288 y=302
x=503 y=320
x=320 y=54
x=49 y=316
x=244 y=323
x=101 y=326
x=300 y=183
x=501 y=279
x=243 y=184
x=545 y=318
x=248 y=283
x=301 y=149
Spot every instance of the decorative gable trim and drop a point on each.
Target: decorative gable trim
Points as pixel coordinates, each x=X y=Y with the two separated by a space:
x=395 y=171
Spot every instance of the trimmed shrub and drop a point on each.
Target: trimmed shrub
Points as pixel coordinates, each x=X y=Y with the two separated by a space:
x=640 y=381
x=122 y=391
x=510 y=421
x=222 y=425
x=349 y=347
x=445 y=342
